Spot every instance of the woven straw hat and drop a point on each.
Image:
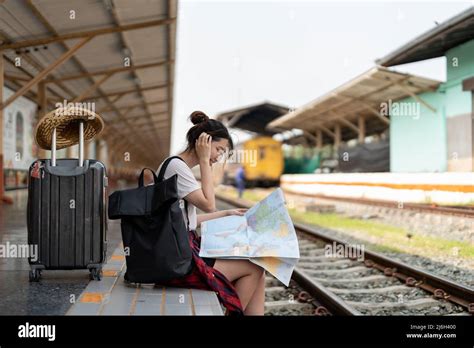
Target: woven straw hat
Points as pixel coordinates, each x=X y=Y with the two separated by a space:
x=66 y=121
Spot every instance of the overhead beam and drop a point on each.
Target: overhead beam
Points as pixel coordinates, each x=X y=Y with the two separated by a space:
x=327 y=131
x=45 y=72
x=165 y=135
x=137 y=105
x=107 y=71
x=349 y=124
x=122 y=93
x=416 y=97
x=92 y=88
x=153 y=114
x=9 y=61
x=85 y=34
x=35 y=64
x=16 y=78
x=129 y=110
x=374 y=111
x=143 y=125
x=342 y=119
x=308 y=135
x=117 y=98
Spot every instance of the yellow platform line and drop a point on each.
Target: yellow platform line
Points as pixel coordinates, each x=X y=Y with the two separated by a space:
x=163 y=299
x=133 y=305
x=91 y=297
x=191 y=302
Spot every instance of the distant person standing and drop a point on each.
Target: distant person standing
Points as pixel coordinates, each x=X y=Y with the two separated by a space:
x=240 y=181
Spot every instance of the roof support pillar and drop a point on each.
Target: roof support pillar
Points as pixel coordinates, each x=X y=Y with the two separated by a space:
x=319 y=137
x=472 y=131
x=361 y=124
x=2 y=187
x=337 y=135
x=468 y=85
x=43 y=107
x=101 y=152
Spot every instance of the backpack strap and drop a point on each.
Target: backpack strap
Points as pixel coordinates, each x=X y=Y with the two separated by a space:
x=161 y=175
x=187 y=217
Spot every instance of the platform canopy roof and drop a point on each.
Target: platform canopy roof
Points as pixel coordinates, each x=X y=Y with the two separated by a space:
x=435 y=42
x=253 y=118
x=359 y=97
x=118 y=54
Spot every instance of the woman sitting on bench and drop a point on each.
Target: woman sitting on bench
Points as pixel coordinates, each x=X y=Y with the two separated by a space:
x=240 y=284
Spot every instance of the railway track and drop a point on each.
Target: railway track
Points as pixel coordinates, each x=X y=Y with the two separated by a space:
x=461 y=211
x=351 y=285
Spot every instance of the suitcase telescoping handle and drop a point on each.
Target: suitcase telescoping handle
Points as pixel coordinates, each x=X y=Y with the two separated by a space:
x=81 y=146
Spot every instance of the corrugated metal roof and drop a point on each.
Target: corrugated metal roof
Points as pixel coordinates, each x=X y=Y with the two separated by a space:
x=253 y=118
x=435 y=42
x=38 y=19
x=360 y=96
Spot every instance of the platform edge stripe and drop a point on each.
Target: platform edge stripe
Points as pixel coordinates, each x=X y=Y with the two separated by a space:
x=191 y=302
x=163 y=300
x=133 y=305
x=109 y=306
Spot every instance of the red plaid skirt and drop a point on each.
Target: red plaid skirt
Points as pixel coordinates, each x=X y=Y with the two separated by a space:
x=207 y=278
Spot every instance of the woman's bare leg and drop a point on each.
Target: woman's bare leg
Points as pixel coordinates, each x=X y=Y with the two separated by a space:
x=245 y=275
x=256 y=305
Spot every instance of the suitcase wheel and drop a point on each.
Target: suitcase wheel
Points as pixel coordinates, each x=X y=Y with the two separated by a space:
x=35 y=275
x=95 y=274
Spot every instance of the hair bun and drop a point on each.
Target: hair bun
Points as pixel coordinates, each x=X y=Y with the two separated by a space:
x=198 y=117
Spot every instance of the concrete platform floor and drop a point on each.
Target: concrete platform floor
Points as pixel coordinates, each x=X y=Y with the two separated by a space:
x=72 y=293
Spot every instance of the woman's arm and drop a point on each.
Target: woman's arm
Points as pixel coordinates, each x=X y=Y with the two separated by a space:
x=204 y=198
x=218 y=214
x=207 y=184
x=210 y=216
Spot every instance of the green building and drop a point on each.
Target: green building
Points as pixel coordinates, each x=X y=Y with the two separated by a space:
x=440 y=136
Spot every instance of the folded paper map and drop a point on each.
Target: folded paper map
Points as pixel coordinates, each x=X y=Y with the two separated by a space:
x=265 y=235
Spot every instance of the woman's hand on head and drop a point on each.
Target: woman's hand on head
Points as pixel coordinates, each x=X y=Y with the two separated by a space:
x=235 y=212
x=203 y=147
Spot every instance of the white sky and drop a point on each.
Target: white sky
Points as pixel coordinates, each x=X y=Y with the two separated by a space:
x=235 y=53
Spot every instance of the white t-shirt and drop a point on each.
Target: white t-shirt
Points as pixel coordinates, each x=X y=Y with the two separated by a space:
x=187 y=183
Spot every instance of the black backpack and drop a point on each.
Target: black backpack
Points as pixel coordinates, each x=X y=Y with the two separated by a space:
x=154 y=233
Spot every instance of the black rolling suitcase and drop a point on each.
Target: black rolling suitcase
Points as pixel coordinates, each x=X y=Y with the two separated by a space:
x=66 y=213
